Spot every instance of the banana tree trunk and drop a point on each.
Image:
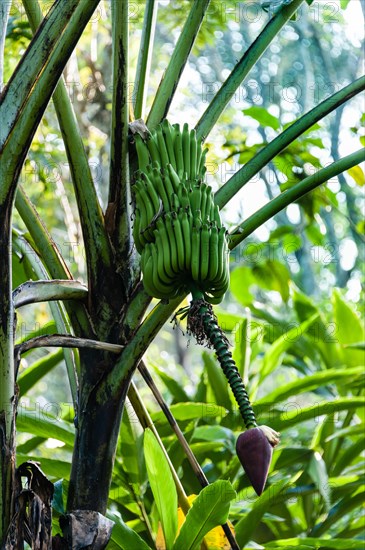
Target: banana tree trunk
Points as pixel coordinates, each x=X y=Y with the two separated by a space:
x=7 y=377
x=97 y=429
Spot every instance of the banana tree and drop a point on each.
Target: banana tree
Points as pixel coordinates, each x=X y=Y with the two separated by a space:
x=103 y=328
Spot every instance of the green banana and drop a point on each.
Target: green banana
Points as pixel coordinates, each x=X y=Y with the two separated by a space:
x=151 y=191
x=168 y=186
x=139 y=240
x=186 y=148
x=204 y=252
x=142 y=152
x=163 y=257
x=149 y=211
x=201 y=171
x=162 y=146
x=216 y=216
x=175 y=203
x=179 y=241
x=177 y=227
x=195 y=253
x=178 y=150
x=174 y=178
x=186 y=232
x=172 y=241
x=213 y=253
x=153 y=150
x=183 y=196
x=209 y=205
x=168 y=136
x=160 y=189
x=203 y=200
x=161 y=228
x=147 y=270
x=199 y=151
x=195 y=198
x=163 y=291
x=193 y=154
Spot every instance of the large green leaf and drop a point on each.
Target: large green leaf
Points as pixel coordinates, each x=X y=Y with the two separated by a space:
x=318 y=472
x=349 y=330
x=37 y=370
x=124 y=536
x=339 y=510
x=283 y=343
x=131 y=451
x=52 y=467
x=210 y=509
x=249 y=523
x=317 y=543
x=262 y=116
x=162 y=486
x=296 y=414
x=191 y=411
x=308 y=383
x=38 y=422
x=217 y=381
x=172 y=384
x=242 y=349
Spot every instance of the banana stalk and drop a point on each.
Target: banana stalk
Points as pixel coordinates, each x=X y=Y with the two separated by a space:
x=184 y=249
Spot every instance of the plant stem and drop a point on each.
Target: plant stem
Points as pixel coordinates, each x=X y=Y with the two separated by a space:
x=203 y=324
x=33 y=292
x=7 y=376
x=171 y=77
x=96 y=242
x=252 y=167
x=65 y=341
x=243 y=67
x=4 y=16
x=294 y=193
x=144 y=58
x=119 y=186
x=135 y=348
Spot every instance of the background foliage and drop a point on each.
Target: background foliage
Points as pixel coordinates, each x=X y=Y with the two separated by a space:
x=293 y=310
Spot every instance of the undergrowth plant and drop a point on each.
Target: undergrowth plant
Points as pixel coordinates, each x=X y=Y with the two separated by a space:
x=161 y=236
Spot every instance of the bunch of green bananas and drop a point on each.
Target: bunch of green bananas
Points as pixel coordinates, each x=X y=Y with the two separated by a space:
x=177 y=227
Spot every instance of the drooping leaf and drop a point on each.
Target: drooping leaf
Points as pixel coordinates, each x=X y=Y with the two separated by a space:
x=250 y=521
x=131 y=441
x=312 y=542
x=162 y=486
x=175 y=388
x=357 y=174
x=318 y=472
x=217 y=381
x=209 y=509
x=58 y=501
x=191 y=411
x=349 y=330
x=124 y=536
x=310 y=382
x=52 y=467
x=284 y=342
x=38 y=422
x=298 y=414
x=37 y=370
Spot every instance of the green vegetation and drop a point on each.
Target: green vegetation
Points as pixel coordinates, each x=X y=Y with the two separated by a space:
x=111 y=226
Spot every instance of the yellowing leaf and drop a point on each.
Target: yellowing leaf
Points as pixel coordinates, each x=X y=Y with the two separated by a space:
x=357 y=174
x=215 y=539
